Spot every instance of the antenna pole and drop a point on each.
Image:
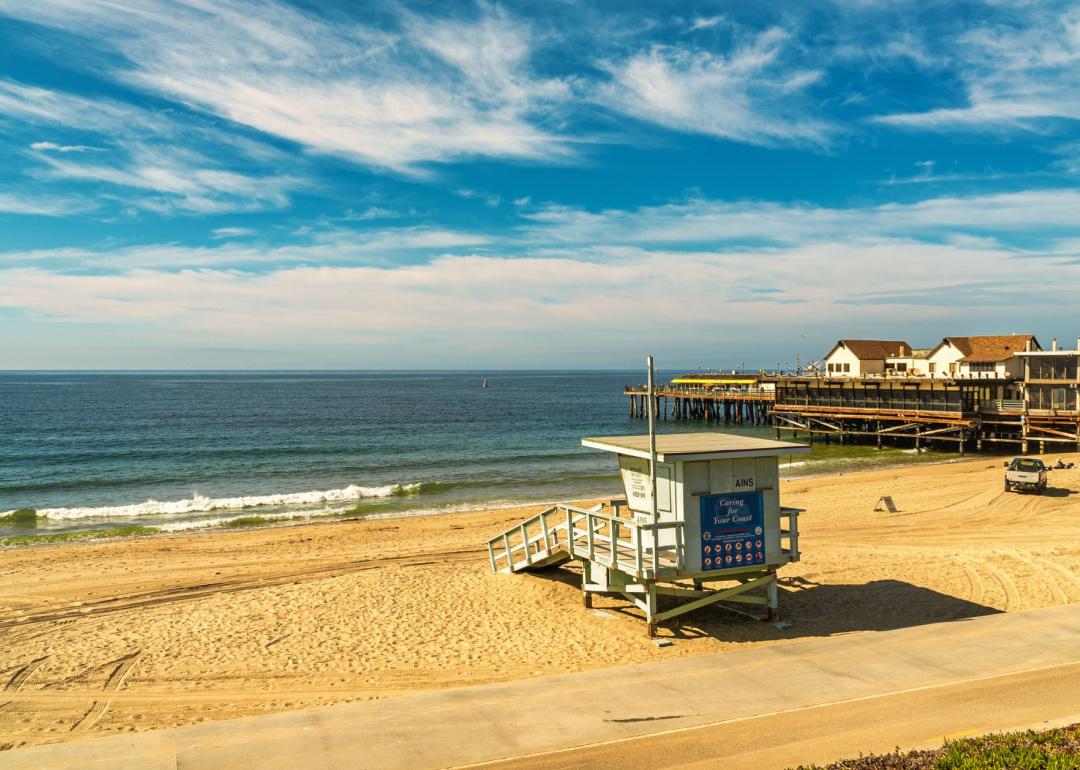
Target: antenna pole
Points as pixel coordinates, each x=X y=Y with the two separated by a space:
x=652 y=464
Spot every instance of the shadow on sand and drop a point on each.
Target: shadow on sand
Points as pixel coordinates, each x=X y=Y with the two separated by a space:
x=813 y=609
x=1057 y=492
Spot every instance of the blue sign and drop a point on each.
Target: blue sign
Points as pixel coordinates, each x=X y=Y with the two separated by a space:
x=732 y=530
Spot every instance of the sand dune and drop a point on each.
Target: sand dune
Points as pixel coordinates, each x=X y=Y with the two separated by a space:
x=140 y=634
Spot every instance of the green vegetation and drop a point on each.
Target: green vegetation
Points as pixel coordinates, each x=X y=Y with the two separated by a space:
x=1046 y=750
x=87 y=534
x=407 y=490
x=246 y=521
x=369 y=508
x=23 y=517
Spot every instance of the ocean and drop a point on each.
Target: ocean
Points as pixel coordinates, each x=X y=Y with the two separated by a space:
x=98 y=454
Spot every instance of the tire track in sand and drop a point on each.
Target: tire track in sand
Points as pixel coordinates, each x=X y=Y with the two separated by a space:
x=1038 y=567
x=1068 y=577
x=70 y=613
x=1008 y=586
x=978 y=587
x=20 y=676
x=998 y=578
x=112 y=684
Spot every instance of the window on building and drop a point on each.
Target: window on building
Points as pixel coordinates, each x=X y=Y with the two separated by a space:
x=1053 y=367
x=932 y=367
x=981 y=366
x=847 y=367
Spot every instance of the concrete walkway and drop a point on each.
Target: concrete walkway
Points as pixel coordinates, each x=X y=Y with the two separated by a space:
x=811 y=700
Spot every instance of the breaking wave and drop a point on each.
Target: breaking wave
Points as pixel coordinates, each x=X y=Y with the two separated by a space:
x=201 y=504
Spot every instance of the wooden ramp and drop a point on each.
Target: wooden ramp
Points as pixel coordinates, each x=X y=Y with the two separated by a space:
x=562 y=533
x=536 y=543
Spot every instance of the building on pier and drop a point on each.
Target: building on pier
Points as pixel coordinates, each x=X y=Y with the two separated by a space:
x=989 y=357
x=859 y=358
x=967 y=392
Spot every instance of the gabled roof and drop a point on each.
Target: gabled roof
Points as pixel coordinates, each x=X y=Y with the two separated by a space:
x=992 y=348
x=873 y=350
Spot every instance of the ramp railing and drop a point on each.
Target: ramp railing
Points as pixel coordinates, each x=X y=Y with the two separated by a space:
x=624 y=544
x=791 y=534
x=563 y=532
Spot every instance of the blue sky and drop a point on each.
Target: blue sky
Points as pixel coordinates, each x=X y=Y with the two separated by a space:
x=239 y=184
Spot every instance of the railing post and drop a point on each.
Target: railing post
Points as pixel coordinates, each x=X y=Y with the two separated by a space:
x=793 y=527
x=655 y=550
x=637 y=548
x=544 y=531
x=615 y=544
x=491 y=556
x=509 y=554
x=525 y=543
x=570 y=534
x=590 y=536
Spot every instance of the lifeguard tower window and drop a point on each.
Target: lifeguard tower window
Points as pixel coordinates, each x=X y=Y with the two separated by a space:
x=717 y=518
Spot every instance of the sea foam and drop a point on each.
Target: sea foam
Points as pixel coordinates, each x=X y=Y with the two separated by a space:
x=202 y=504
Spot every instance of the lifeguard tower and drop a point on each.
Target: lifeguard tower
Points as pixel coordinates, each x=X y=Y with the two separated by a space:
x=701 y=523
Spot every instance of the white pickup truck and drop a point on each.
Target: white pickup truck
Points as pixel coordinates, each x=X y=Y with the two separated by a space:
x=1025 y=473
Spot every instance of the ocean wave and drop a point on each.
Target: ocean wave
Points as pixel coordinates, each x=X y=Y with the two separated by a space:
x=201 y=504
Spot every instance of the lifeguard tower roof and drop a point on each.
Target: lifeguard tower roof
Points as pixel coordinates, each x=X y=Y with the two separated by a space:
x=687 y=447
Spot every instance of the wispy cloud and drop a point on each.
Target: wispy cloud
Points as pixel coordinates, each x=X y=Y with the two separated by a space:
x=714 y=222
x=335 y=247
x=52 y=146
x=144 y=152
x=18 y=203
x=747 y=95
x=544 y=303
x=221 y=233
x=1017 y=74
x=706 y=22
x=432 y=90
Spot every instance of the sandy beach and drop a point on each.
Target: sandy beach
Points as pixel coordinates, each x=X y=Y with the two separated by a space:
x=140 y=634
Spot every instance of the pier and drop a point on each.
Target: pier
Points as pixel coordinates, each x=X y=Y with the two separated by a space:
x=966 y=392
x=730 y=406
x=958 y=413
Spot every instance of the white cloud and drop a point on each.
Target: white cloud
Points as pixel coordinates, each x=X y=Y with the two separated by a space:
x=547 y=302
x=182 y=185
x=436 y=91
x=329 y=247
x=18 y=203
x=53 y=147
x=1015 y=75
x=148 y=153
x=220 y=233
x=749 y=95
x=490 y=199
x=707 y=221
x=706 y=22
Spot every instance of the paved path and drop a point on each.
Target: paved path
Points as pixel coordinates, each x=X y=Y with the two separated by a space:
x=811 y=700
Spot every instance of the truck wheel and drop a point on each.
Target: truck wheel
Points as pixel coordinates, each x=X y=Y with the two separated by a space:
x=1007 y=487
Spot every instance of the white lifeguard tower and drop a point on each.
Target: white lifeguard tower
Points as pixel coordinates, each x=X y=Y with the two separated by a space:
x=716 y=532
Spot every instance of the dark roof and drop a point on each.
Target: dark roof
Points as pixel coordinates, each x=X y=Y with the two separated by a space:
x=874 y=350
x=993 y=348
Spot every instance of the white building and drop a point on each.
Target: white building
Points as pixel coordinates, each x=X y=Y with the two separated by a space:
x=860 y=358
x=987 y=357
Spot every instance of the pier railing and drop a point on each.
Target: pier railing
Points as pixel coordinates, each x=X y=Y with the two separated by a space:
x=692 y=391
x=1002 y=405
